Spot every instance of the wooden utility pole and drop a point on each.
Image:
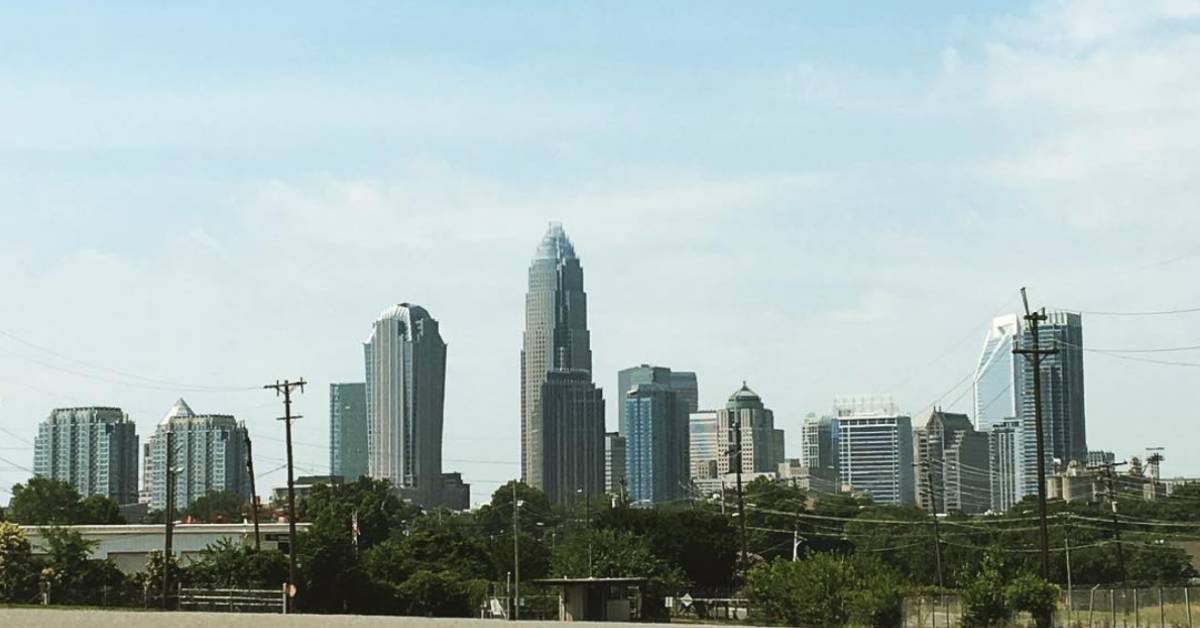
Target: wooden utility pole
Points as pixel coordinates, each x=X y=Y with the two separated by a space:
x=1035 y=355
x=744 y=561
x=937 y=532
x=516 y=614
x=285 y=388
x=168 y=520
x=253 y=492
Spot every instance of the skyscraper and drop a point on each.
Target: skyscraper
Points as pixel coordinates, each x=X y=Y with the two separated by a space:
x=762 y=444
x=556 y=340
x=405 y=392
x=682 y=382
x=996 y=393
x=875 y=451
x=348 y=430
x=1004 y=390
x=953 y=463
x=819 y=443
x=571 y=436
x=210 y=455
x=656 y=439
x=95 y=449
x=1006 y=450
x=614 y=463
x=704 y=450
x=1063 y=416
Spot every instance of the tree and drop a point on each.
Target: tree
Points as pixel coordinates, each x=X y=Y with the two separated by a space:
x=810 y=592
x=76 y=577
x=1029 y=593
x=215 y=506
x=379 y=510
x=983 y=600
x=100 y=510
x=440 y=594
x=43 y=501
x=608 y=553
x=156 y=567
x=18 y=570
x=229 y=564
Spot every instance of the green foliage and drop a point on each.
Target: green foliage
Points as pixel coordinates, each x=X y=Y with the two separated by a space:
x=1030 y=594
x=75 y=577
x=216 y=506
x=18 y=571
x=152 y=583
x=439 y=594
x=703 y=544
x=983 y=599
x=877 y=600
x=100 y=510
x=379 y=510
x=229 y=564
x=810 y=592
x=43 y=501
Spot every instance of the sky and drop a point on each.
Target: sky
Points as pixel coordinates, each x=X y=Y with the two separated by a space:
x=822 y=199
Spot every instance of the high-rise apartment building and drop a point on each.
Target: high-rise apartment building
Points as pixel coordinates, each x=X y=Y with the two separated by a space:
x=556 y=340
x=95 y=449
x=147 y=473
x=405 y=393
x=952 y=464
x=571 y=437
x=348 y=431
x=614 y=464
x=209 y=455
x=875 y=450
x=656 y=436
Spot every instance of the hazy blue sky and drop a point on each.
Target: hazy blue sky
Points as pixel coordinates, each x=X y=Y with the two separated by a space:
x=821 y=199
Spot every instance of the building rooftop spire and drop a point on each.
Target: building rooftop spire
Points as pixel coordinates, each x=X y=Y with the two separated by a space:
x=555 y=244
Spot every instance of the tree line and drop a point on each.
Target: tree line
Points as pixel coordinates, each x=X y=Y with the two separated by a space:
x=855 y=561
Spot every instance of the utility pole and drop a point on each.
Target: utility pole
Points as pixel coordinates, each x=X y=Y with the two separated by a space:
x=737 y=450
x=516 y=614
x=937 y=532
x=1035 y=355
x=1067 y=546
x=168 y=519
x=253 y=492
x=1110 y=487
x=285 y=388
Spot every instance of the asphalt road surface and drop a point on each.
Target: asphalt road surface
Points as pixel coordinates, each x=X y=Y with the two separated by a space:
x=55 y=618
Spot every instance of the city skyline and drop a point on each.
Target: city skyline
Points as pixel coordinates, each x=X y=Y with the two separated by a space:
x=761 y=195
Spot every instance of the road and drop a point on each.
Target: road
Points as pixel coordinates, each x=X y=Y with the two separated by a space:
x=55 y=618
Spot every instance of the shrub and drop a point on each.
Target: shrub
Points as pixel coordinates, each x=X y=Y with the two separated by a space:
x=1029 y=593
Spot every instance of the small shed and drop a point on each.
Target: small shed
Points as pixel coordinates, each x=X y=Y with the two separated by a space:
x=597 y=599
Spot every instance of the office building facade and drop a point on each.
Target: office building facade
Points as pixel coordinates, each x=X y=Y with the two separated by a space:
x=405 y=399
x=95 y=449
x=348 y=429
x=1006 y=452
x=875 y=453
x=684 y=383
x=953 y=467
x=556 y=340
x=762 y=445
x=704 y=450
x=614 y=464
x=571 y=436
x=209 y=455
x=657 y=444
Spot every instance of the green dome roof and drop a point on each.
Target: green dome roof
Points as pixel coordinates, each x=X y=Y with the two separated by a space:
x=744 y=398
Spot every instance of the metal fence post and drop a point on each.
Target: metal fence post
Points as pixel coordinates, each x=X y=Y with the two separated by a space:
x=1137 y=610
x=1162 y=609
x=1091 y=605
x=1112 y=605
x=285 y=600
x=1187 y=603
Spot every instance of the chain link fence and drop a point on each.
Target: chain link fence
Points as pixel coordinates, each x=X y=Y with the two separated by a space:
x=1148 y=607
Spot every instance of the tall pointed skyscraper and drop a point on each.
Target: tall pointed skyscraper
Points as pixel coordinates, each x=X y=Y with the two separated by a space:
x=557 y=340
x=406 y=386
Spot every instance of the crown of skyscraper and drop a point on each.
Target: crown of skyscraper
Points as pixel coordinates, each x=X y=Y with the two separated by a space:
x=555 y=244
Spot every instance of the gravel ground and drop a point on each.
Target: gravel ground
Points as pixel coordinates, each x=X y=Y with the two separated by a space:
x=54 y=618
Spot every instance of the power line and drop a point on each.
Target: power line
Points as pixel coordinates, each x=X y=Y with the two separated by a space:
x=1145 y=313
